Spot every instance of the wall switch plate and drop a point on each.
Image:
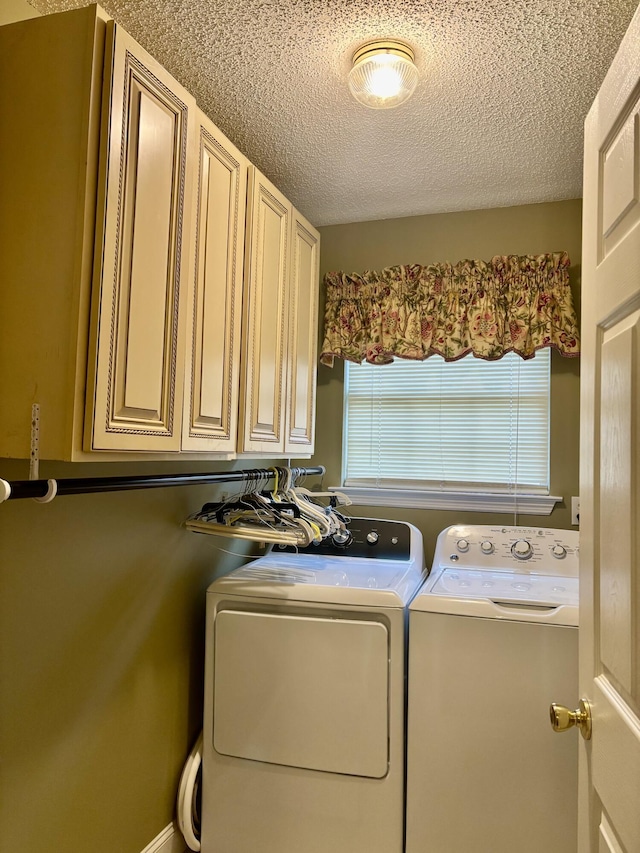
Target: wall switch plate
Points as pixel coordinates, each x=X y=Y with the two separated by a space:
x=575 y=510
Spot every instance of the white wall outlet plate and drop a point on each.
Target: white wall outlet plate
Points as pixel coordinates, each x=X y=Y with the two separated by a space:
x=575 y=510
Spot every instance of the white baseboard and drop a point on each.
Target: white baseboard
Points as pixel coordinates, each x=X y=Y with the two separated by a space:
x=170 y=840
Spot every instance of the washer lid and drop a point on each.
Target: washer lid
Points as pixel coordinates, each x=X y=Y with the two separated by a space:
x=501 y=595
x=333 y=580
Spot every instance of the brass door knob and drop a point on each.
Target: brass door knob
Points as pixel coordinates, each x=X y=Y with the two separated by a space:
x=563 y=719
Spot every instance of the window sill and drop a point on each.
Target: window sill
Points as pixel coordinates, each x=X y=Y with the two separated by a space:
x=530 y=504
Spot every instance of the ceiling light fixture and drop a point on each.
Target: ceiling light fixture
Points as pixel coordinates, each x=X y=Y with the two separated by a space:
x=383 y=74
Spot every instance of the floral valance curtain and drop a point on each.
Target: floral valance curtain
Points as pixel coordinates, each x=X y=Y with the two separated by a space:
x=488 y=308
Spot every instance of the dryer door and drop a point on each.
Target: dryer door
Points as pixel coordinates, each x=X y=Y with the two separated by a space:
x=302 y=691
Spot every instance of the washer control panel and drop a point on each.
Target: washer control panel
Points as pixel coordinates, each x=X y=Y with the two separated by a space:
x=540 y=550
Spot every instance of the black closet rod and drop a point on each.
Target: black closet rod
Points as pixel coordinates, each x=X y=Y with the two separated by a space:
x=19 y=489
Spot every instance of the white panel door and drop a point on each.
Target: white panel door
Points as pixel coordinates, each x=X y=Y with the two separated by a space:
x=214 y=302
x=265 y=317
x=302 y=691
x=303 y=337
x=135 y=380
x=610 y=461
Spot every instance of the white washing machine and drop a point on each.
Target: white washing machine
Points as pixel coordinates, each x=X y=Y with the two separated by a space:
x=304 y=714
x=493 y=641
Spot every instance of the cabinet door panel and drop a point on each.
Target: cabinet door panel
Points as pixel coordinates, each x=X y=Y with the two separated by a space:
x=266 y=296
x=303 y=337
x=215 y=295
x=137 y=385
x=144 y=313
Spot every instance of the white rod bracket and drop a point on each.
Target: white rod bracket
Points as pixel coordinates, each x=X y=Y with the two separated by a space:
x=52 y=491
x=5 y=490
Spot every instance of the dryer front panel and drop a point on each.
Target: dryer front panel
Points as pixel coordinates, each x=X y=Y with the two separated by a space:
x=302 y=691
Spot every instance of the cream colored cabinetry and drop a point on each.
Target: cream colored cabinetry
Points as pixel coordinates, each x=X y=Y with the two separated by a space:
x=265 y=317
x=50 y=97
x=93 y=226
x=303 y=343
x=128 y=287
x=279 y=332
x=214 y=294
x=140 y=265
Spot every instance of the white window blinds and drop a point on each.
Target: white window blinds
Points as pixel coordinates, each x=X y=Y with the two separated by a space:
x=469 y=425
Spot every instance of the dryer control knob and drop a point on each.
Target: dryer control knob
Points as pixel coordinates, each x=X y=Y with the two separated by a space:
x=486 y=547
x=341 y=537
x=372 y=537
x=521 y=549
x=559 y=551
x=463 y=545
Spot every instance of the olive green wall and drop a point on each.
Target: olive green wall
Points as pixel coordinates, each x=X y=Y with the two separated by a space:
x=101 y=658
x=530 y=229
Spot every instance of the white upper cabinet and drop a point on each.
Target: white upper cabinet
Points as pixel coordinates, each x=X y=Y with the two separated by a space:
x=280 y=326
x=303 y=343
x=50 y=133
x=93 y=226
x=214 y=294
x=135 y=388
x=158 y=294
x=265 y=317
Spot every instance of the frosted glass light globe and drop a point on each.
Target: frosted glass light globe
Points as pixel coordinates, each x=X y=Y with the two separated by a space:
x=383 y=74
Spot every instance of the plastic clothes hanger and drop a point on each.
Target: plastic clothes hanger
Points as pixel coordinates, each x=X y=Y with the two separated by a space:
x=258 y=515
x=330 y=522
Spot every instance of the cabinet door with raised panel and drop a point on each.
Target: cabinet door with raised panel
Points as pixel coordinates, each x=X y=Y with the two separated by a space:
x=303 y=337
x=214 y=294
x=265 y=317
x=136 y=370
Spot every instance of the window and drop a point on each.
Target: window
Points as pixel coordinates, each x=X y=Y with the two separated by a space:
x=426 y=433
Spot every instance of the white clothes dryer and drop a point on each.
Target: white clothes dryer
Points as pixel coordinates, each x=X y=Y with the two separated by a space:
x=493 y=642
x=304 y=714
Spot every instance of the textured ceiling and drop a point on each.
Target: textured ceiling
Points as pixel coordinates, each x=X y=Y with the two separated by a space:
x=496 y=120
